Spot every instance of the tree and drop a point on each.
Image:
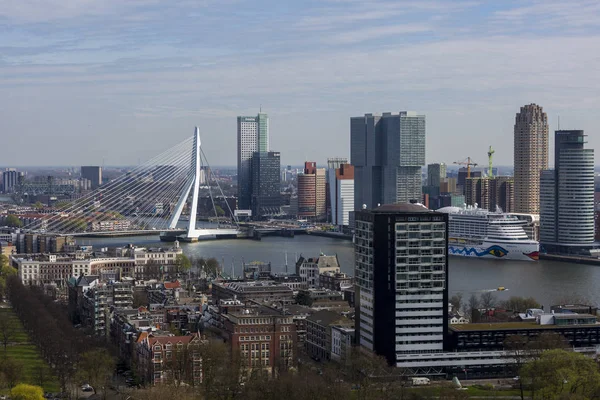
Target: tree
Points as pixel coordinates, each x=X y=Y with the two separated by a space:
x=11 y=369
x=96 y=367
x=219 y=210
x=38 y=205
x=8 y=331
x=488 y=300
x=13 y=221
x=473 y=307
x=5 y=272
x=27 y=392
x=456 y=302
x=517 y=347
x=62 y=205
x=560 y=374
x=304 y=299
x=520 y=304
x=183 y=263
x=212 y=266
x=140 y=298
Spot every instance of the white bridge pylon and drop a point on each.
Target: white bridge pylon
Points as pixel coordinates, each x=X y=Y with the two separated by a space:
x=193 y=185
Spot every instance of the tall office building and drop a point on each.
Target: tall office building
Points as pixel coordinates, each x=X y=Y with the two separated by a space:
x=10 y=178
x=311 y=192
x=502 y=193
x=332 y=165
x=401 y=282
x=342 y=194
x=436 y=173
x=252 y=136
x=567 y=196
x=266 y=182
x=387 y=152
x=93 y=174
x=477 y=192
x=530 y=157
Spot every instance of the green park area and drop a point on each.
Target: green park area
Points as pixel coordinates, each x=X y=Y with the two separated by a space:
x=20 y=360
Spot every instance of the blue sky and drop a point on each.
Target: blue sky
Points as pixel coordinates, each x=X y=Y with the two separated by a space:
x=82 y=81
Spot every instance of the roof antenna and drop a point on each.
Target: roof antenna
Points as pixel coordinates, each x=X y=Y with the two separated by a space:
x=260 y=109
x=559 y=122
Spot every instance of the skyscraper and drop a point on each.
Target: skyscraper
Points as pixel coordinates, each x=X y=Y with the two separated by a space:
x=567 y=196
x=387 y=153
x=435 y=174
x=10 y=179
x=401 y=282
x=342 y=194
x=530 y=157
x=93 y=174
x=311 y=192
x=332 y=165
x=266 y=181
x=253 y=136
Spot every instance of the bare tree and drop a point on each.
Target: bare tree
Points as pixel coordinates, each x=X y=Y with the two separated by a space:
x=473 y=307
x=488 y=300
x=457 y=302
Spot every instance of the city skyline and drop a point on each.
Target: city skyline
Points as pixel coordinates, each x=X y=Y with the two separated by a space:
x=144 y=73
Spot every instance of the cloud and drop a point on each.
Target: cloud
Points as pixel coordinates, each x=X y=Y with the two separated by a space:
x=367 y=34
x=552 y=14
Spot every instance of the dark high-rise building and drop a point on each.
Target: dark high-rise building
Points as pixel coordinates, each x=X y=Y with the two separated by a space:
x=567 y=196
x=502 y=193
x=266 y=182
x=401 y=282
x=387 y=153
x=93 y=174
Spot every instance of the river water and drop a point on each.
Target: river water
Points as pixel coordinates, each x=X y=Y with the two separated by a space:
x=547 y=281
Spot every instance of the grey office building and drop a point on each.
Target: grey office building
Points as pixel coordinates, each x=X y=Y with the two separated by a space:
x=253 y=136
x=387 y=153
x=567 y=196
x=93 y=174
x=10 y=179
x=266 y=181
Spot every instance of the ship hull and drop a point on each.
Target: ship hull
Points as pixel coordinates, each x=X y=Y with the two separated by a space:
x=496 y=250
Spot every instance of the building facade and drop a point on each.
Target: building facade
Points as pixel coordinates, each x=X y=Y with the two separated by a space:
x=341 y=189
x=310 y=269
x=530 y=156
x=252 y=137
x=387 y=153
x=567 y=196
x=266 y=182
x=436 y=173
x=311 y=192
x=93 y=174
x=400 y=260
x=10 y=179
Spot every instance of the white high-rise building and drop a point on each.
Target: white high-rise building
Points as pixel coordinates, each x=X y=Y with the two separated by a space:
x=341 y=193
x=253 y=136
x=567 y=196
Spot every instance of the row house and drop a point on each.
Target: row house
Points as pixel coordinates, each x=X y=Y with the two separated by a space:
x=320 y=334
x=310 y=269
x=164 y=259
x=264 y=337
x=164 y=359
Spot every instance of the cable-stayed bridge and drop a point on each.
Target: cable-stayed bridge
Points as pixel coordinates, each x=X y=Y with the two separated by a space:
x=150 y=198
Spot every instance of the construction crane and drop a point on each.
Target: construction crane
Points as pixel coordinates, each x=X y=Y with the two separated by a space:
x=468 y=163
x=490 y=154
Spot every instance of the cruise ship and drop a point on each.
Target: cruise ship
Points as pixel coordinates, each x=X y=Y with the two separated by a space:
x=475 y=232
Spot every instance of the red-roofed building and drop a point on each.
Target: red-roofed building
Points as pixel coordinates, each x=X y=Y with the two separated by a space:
x=165 y=359
x=172 y=285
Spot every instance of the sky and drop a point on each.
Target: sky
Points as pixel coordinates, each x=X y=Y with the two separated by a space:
x=117 y=82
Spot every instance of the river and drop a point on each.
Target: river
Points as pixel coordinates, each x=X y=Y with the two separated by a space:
x=546 y=281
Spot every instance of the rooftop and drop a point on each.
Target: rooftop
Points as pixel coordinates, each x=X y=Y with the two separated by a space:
x=510 y=326
x=401 y=207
